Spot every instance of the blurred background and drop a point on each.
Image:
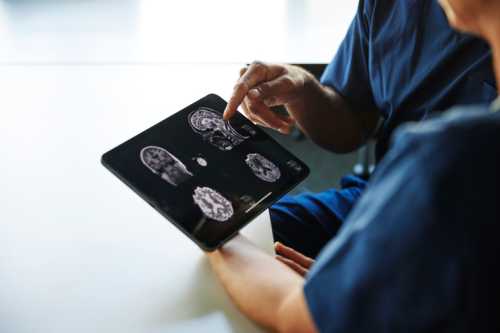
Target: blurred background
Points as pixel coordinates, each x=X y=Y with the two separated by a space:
x=149 y=33
x=77 y=78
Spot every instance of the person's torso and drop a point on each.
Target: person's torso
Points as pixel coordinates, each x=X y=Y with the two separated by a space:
x=418 y=64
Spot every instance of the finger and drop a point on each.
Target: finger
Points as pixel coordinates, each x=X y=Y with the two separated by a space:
x=293 y=265
x=253 y=118
x=293 y=255
x=275 y=92
x=290 y=121
x=256 y=73
x=243 y=70
x=260 y=110
x=286 y=118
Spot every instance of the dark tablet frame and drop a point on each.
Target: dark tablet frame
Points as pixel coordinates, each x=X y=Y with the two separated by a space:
x=205 y=245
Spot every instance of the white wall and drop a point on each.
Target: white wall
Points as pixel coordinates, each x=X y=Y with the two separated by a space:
x=160 y=31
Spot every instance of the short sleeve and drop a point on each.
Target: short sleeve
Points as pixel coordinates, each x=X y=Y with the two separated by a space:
x=415 y=254
x=348 y=73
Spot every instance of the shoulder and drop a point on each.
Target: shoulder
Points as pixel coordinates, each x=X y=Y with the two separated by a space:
x=465 y=124
x=454 y=155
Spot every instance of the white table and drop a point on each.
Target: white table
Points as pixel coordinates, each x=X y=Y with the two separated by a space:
x=79 y=251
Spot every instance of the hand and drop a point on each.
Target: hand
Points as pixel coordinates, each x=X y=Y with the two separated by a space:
x=293 y=259
x=262 y=86
x=271 y=294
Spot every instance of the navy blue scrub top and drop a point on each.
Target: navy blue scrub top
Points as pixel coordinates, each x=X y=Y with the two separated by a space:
x=420 y=250
x=402 y=60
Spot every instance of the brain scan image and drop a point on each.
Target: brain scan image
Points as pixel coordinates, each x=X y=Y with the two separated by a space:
x=212 y=204
x=201 y=161
x=263 y=168
x=164 y=164
x=209 y=124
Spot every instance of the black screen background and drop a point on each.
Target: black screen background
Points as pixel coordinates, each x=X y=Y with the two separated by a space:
x=226 y=172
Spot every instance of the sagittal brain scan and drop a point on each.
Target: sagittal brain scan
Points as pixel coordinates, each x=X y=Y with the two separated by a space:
x=263 y=168
x=164 y=164
x=212 y=204
x=210 y=125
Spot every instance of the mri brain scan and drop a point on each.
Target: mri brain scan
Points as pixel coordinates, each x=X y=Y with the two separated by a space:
x=212 y=204
x=210 y=125
x=263 y=168
x=164 y=164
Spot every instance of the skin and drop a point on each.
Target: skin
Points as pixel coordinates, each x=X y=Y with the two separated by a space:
x=270 y=290
x=478 y=17
x=319 y=111
x=267 y=291
x=293 y=259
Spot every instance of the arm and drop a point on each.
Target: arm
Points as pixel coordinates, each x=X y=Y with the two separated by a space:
x=327 y=118
x=320 y=112
x=265 y=290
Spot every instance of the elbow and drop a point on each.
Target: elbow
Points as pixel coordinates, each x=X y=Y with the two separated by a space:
x=289 y=325
x=293 y=318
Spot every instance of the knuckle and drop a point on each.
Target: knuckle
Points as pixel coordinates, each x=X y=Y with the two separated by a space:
x=287 y=81
x=263 y=88
x=240 y=85
x=257 y=63
x=285 y=69
x=259 y=66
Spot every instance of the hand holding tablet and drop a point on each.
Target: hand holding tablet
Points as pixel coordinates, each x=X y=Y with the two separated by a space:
x=208 y=176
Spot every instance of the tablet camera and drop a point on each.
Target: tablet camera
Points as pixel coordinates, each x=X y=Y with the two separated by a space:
x=212 y=204
x=262 y=168
x=161 y=162
x=219 y=133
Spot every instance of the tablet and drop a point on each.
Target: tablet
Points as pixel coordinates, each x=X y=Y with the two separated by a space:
x=207 y=176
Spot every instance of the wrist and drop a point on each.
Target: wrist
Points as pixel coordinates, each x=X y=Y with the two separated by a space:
x=307 y=86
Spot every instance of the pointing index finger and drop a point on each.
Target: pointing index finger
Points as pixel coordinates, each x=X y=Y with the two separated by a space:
x=255 y=74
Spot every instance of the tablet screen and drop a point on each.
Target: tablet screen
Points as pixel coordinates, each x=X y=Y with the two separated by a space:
x=208 y=176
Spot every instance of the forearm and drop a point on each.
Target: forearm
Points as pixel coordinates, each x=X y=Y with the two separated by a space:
x=257 y=283
x=328 y=120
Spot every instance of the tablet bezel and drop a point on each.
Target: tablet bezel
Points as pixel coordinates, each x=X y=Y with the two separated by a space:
x=205 y=244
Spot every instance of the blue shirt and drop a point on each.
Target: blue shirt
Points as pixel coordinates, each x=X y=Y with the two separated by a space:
x=420 y=250
x=402 y=60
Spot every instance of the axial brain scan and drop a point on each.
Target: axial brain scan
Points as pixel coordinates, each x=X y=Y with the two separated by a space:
x=263 y=168
x=212 y=204
x=210 y=125
x=164 y=164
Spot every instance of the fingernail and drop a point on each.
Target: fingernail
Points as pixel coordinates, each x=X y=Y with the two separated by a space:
x=254 y=93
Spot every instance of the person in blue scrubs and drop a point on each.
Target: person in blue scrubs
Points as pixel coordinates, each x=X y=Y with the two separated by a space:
x=419 y=252
x=399 y=62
